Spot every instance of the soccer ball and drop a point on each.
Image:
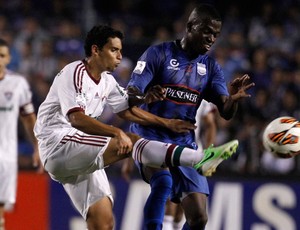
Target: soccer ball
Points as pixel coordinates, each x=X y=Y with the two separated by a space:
x=282 y=137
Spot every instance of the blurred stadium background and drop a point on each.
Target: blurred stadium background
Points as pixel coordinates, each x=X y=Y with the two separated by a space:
x=253 y=190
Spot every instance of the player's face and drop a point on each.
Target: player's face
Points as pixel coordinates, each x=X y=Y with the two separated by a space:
x=4 y=57
x=110 y=55
x=203 y=35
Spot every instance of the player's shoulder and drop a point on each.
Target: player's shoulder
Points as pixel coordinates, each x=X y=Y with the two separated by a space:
x=108 y=76
x=72 y=68
x=74 y=65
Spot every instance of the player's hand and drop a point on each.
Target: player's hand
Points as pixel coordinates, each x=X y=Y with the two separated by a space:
x=124 y=143
x=239 y=86
x=155 y=93
x=180 y=126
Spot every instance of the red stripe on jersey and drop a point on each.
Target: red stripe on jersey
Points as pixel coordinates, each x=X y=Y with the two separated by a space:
x=78 y=75
x=76 y=109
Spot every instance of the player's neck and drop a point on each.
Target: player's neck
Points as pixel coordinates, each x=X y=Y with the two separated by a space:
x=93 y=72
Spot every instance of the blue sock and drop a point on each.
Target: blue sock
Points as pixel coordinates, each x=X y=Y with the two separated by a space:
x=154 y=210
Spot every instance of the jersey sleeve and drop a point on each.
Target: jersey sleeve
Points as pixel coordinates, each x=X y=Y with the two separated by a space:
x=118 y=97
x=218 y=82
x=217 y=85
x=26 y=106
x=67 y=91
x=145 y=69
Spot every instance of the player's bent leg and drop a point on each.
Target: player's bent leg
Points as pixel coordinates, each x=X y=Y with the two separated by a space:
x=100 y=215
x=87 y=192
x=78 y=154
x=161 y=185
x=194 y=206
x=213 y=156
x=2 y=227
x=110 y=154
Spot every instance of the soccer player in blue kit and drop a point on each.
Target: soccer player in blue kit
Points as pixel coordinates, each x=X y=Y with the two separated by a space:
x=185 y=74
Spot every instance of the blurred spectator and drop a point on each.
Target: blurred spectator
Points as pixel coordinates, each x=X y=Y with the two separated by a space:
x=45 y=65
x=260 y=69
x=162 y=34
x=68 y=40
x=31 y=30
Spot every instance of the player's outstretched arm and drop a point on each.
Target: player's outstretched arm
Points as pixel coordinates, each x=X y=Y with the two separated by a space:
x=140 y=116
x=136 y=97
x=237 y=89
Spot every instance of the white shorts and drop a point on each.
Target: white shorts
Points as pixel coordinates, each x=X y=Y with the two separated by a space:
x=8 y=182
x=78 y=164
x=87 y=190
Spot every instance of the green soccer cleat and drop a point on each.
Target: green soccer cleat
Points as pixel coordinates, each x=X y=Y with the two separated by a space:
x=213 y=156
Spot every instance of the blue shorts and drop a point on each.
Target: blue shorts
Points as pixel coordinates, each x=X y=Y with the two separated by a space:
x=187 y=180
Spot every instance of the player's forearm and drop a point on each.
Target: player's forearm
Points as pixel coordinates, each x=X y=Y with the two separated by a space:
x=92 y=126
x=28 y=122
x=137 y=115
x=229 y=108
x=135 y=97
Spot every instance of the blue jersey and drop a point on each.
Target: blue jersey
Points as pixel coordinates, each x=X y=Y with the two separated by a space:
x=187 y=82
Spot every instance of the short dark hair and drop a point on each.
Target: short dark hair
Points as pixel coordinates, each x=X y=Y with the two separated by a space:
x=99 y=36
x=206 y=11
x=3 y=42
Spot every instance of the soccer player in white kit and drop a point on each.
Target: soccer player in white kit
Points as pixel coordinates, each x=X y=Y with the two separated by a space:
x=75 y=145
x=15 y=102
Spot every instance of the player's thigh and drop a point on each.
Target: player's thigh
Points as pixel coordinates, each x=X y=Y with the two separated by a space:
x=8 y=182
x=194 y=206
x=81 y=154
x=100 y=215
x=111 y=155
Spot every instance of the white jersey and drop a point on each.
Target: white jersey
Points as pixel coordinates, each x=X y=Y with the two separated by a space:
x=204 y=108
x=74 y=89
x=15 y=100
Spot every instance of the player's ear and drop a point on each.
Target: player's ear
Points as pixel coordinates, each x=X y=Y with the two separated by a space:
x=95 y=49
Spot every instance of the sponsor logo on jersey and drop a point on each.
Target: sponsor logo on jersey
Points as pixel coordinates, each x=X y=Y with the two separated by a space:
x=81 y=100
x=173 y=65
x=121 y=90
x=97 y=96
x=139 y=68
x=3 y=109
x=201 y=69
x=182 y=95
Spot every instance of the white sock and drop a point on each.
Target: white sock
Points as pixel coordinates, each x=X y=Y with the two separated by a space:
x=168 y=222
x=160 y=154
x=177 y=226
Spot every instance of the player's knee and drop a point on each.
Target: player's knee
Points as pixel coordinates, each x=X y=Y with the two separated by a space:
x=197 y=221
x=161 y=181
x=106 y=223
x=134 y=137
